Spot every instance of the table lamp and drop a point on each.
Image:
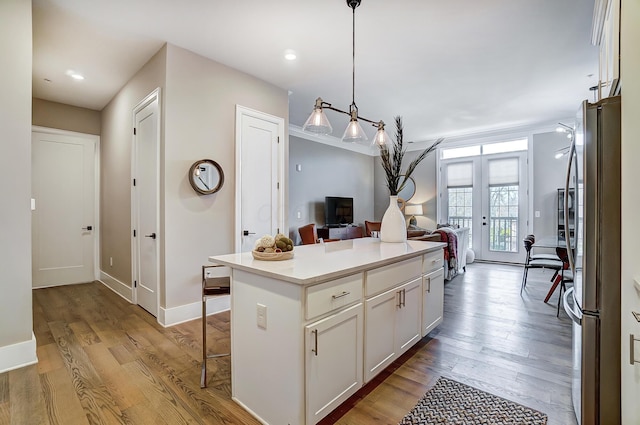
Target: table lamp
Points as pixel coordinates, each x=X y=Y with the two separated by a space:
x=413 y=211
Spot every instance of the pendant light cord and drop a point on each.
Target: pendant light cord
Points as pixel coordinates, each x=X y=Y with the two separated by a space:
x=353 y=59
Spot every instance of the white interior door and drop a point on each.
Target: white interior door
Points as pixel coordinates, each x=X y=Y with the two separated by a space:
x=259 y=176
x=64 y=220
x=145 y=203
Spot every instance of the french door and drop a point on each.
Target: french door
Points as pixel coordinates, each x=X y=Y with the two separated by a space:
x=488 y=194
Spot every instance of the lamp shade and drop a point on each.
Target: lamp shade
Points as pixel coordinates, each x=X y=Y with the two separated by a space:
x=413 y=210
x=317 y=122
x=354 y=133
x=382 y=138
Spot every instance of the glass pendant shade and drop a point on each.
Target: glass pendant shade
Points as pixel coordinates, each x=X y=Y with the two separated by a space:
x=317 y=122
x=354 y=133
x=381 y=138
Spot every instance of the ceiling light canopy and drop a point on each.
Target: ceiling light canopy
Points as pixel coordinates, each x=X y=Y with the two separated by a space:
x=319 y=123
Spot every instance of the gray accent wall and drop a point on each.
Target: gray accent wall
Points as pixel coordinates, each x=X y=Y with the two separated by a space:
x=548 y=176
x=425 y=176
x=327 y=171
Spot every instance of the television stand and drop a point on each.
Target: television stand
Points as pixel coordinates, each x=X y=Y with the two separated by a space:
x=351 y=232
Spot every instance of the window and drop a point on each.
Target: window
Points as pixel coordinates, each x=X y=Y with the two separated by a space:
x=460 y=195
x=503 y=204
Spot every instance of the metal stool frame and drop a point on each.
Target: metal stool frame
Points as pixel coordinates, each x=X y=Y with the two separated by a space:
x=212 y=286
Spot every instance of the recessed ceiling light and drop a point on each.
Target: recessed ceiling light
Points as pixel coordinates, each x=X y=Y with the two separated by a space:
x=75 y=75
x=290 y=55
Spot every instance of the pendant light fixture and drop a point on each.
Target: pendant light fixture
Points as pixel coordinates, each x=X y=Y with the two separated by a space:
x=319 y=123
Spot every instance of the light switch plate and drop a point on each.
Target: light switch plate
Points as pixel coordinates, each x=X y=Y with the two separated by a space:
x=261 y=313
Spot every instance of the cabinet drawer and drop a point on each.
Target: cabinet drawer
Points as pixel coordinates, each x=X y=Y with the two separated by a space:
x=332 y=295
x=432 y=261
x=383 y=278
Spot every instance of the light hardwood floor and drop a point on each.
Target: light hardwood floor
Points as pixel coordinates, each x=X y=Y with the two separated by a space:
x=105 y=361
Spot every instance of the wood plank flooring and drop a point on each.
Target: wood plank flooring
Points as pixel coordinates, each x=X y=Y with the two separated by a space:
x=105 y=361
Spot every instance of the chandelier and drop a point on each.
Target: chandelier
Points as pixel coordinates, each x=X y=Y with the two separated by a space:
x=318 y=122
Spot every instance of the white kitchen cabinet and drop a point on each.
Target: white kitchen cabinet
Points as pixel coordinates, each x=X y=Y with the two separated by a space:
x=298 y=327
x=392 y=325
x=606 y=35
x=432 y=300
x=333 y=365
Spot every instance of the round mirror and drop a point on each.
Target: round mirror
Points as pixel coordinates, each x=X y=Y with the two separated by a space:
x=408 y=190
x=206 y=176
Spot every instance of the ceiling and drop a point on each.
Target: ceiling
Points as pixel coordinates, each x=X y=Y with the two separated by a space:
x=449 y=68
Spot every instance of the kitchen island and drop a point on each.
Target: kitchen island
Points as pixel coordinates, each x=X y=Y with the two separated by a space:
x=307 y=333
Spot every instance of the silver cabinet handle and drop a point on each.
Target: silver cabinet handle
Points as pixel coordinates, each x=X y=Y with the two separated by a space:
x=429 y=287
x=399 y=294
x=632 y=357
x=343 y=294
x=573 y=312
x=404 y=298
x=315 y=350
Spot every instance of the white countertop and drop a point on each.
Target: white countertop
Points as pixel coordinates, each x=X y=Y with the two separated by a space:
x=320 y=262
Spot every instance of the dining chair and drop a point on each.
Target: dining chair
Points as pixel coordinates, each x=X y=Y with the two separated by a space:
x=541 y=256
x=563 y=277
x=371 y=226
x=541 y=263
x=309 y=235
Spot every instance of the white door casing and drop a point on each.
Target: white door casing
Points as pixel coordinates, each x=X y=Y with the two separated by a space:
x=64 y=187
x=260 y=178
x=145 y=203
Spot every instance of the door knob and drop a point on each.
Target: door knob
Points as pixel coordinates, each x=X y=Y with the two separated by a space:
x=152 y=236
x=247 y=233
x=88 y=228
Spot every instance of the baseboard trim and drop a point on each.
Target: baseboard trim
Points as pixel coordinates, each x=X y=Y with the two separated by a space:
x=184 y=313
x=120 y=288
x=18 y=355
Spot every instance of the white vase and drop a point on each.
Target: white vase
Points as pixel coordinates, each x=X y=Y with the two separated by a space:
x=393 y=227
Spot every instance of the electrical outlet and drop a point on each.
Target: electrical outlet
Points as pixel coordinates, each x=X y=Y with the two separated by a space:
x=261 y=311
x=537 y=214
x=299 y=214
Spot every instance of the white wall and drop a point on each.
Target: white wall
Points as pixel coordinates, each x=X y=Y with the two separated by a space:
x=17 y=346
x=630 y=73
x=326 y=171
x=200 y=100
x=115 y=172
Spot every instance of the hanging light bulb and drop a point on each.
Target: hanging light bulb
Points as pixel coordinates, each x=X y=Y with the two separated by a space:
x=382 y=137
x=318 y=122
x=354 y=131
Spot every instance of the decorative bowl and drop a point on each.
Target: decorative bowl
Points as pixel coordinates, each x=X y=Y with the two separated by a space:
x=272 y=256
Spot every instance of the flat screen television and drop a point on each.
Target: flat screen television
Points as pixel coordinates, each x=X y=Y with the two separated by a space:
x=338 y=211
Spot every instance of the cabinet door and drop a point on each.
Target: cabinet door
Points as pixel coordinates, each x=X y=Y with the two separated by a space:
x=379 y=341
x=408 y=316
x=333 y=361
x=433 y=300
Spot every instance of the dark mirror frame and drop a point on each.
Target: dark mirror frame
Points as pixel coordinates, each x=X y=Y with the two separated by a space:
x=192 y=176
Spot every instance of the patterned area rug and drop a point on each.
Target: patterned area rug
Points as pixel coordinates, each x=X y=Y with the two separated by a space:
x=452 y=403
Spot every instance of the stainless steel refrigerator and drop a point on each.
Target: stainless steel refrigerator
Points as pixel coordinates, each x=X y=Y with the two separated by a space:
x=593 y=303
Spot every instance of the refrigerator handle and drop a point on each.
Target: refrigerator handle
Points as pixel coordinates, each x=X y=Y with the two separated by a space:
x=567 y=231
x=576 y=317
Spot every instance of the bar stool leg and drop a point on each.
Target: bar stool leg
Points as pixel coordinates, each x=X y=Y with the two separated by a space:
x=203 y=374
